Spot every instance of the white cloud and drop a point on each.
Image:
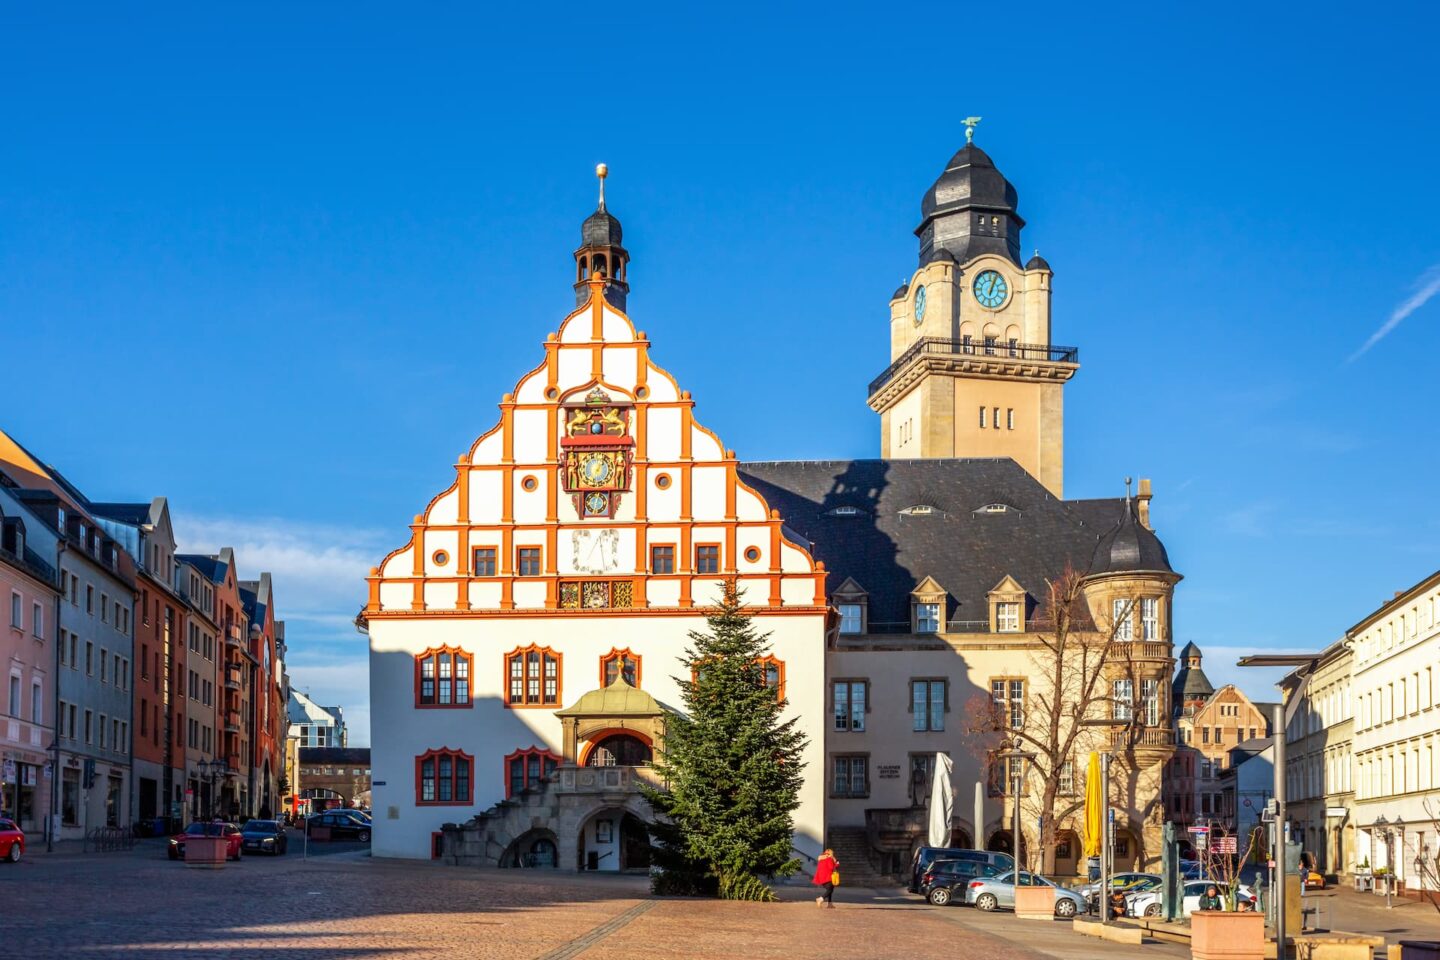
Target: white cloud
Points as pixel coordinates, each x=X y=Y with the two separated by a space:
x=1426 y=287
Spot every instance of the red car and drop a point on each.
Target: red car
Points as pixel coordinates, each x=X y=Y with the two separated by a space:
x=214 y=828
x=12 y=840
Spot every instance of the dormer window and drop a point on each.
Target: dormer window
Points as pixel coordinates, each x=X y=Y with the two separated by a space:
x=844 y=511
x=852 y=603
x=927 y=607
x=1007 y=606
x=927 y=618
x=919 y=510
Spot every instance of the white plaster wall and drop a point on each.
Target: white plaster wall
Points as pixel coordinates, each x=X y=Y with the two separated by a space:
x=489 y=731
x=530 y=435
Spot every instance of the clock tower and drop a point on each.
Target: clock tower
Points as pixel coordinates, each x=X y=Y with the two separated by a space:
x=973 y=371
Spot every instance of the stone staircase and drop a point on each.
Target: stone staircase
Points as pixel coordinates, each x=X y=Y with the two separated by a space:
x=852 y=849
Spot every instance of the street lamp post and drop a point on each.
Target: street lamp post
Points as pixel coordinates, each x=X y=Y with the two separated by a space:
x=1387 y=836
x=1014 y=759
x=211 y=772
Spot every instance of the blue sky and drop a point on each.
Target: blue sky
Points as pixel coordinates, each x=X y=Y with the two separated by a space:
x=279 y=264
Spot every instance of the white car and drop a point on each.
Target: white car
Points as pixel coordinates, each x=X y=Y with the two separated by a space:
x=1147 y=904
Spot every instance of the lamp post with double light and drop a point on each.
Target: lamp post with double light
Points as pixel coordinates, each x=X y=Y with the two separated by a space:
x=1382 y=826
x=211 y=772
x=1013 y=761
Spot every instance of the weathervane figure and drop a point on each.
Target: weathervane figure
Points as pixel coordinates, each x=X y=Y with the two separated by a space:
x=970 y=124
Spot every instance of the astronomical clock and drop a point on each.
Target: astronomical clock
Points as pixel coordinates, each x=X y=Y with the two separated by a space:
x=595 y=454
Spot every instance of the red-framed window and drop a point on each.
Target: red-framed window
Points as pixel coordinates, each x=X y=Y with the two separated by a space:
x=774 y=674
x=617 y=663
x=444 y=778
x=532 y=677
x=707 y=558
x=442 y=677
x=524 y=768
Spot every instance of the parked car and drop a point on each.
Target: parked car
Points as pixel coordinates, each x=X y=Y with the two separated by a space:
x=342 y=824
x=992 y=893
x=12 y=840
x=1147 y=903
x=1120 y=882
x=951 y=874
x=264 y=836
x=207 y=828
x=924 y=856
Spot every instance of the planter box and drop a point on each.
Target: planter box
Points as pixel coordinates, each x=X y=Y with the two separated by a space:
x=205 y=851
x=1220 y=935
x=1034 y=903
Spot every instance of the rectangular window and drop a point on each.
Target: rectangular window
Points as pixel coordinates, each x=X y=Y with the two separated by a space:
x=89 y=658
x=103 y=720
x=104 y=659
x=927 y=618
x=37 y=705
x=1008 y=696
x=996 y=412
x=850 y=617
x=1010 y=418
x=1122 y=694
x=104 y=608
x=14 y=696
x=662 y=559
x=707 y=558
x=484 y=561
x=1122 y=620
x=850 y=704
x=37 y=621
x=17 y=611
x=990 y=346
x=852 y=776
x=528 y=564
x=1150 y=618
x=967 y=344
x=1007 y=617
x=922 y=768
x=1150 y=702
x=1014 y=346
x=982 y=417
x=90 y=600
x=927 y=705
x=1066 y=785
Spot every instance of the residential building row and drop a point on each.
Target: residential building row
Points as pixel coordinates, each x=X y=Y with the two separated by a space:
x=145 y=686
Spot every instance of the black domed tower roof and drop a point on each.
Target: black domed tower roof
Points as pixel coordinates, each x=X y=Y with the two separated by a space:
x=1128 y=547
x=601 y=253
x=970 y=210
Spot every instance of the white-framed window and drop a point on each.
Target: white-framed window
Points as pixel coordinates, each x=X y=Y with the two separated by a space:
x=105 y=608
x=15 y=695
x=852 y=776
x=37 y=621
x=103 y=721
x=1066 y=784
x=37 y=703
x=1008 y=695
x=17 y=611
x=1122 y=619
x=927 y=705
x=850 y=617
x=1122 y=693
x=1007 y=617
x=983 y=411
x=927 y=618
x=1150 y=618
x=850 y=705
x=1150 y=702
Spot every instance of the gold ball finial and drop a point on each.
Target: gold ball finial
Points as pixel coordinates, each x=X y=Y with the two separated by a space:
x=601 y=171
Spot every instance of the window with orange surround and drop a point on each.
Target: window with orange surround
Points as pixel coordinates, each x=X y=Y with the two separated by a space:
x=707 y=558
x=442 y=677
x=525 y=768
x=527 y=561
x=443 y=777
x=484 y=565
x=620 y=663
x=532 y=677
x=774 y=675
x=662 y=558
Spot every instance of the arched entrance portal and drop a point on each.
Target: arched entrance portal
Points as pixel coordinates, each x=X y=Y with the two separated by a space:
x=618 y=750
x=538 y=848
x=960 y=839
x=614 y=840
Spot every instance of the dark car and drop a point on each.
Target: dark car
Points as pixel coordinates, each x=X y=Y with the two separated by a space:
x=924 y=856
x=207 y=828
x=264 y=836
x=342 y=824
x=945 y=876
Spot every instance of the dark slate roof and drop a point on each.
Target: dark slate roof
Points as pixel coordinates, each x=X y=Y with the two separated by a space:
x=1190 y=684
x=970 y=182
x=212 y=567
x=966 y=549
x=1189 y=650
x=1038 y=262
x=600 y=229
x=133 y=514
x=1129 y=547
x=337 y=755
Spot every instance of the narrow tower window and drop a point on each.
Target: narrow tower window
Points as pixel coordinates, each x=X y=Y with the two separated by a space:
x=997 y=418
x=982 y=418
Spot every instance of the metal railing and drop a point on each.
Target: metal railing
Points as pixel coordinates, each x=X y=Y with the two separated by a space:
x=945 y=347
x=109 y=839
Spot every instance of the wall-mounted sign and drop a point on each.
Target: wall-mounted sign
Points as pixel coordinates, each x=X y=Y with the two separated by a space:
x=888 y=771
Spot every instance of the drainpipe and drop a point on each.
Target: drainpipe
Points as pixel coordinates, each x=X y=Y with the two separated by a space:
x=55 y=705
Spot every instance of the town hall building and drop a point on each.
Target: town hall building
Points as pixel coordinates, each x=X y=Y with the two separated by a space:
x=524 y=636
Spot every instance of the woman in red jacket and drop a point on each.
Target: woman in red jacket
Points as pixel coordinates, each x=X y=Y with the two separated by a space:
x=827 y=871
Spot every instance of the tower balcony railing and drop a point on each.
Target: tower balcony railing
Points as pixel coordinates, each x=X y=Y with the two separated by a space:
x=998 y=351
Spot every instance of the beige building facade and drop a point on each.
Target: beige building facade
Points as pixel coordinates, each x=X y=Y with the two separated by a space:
x=1320 y=763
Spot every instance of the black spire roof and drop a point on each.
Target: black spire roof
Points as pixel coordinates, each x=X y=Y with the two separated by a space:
x=1129 y=546
x=601 y=253
x=951 y=212
x=600 y=229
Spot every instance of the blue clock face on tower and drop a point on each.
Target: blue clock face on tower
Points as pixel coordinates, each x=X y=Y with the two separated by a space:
x=991 y=289
x=919 y=305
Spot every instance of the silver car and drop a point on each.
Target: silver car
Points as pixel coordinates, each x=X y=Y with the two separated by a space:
x=992 y=893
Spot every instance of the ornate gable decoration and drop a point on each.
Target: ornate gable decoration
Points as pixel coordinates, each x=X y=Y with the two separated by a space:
x=595 y=453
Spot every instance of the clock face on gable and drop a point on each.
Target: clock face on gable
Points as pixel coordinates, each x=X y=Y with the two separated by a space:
x=920 y=305
x=596 y=469
x=991 y=289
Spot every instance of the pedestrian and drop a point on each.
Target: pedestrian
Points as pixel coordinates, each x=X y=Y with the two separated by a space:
x=1211 y=899
x=827 y=874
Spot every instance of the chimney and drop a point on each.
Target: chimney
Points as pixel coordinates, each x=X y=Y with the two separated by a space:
x=1142 y=503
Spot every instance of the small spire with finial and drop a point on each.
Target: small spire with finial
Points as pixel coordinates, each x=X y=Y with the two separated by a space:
x=601 y=172
x=1128 y=481
x=970 y=124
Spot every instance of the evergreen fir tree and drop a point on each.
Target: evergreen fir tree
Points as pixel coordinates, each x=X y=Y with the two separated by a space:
x=731 y=765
